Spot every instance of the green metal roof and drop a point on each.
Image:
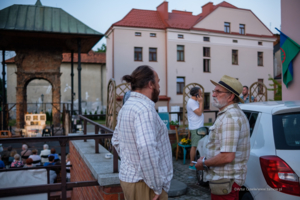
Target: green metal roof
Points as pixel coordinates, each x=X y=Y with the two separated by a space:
x=42 y=19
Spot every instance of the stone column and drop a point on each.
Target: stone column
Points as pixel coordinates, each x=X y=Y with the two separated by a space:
x=56 y=101
x=20 y=107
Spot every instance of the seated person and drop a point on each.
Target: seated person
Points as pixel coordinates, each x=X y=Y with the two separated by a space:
x=11 y=157
x=29 y=162
x=5 y=155
x=52 y=174
x=51 y=161
x=53 y=153
x=68 y=162
x=17 y=162
x=25 y=153
x=45 y=153
x=36 y=158
x=2 y=165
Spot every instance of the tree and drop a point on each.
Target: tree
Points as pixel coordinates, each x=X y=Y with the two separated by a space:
x=102 y=49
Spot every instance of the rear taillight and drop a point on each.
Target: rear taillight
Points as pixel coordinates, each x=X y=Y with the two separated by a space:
x=279 y=175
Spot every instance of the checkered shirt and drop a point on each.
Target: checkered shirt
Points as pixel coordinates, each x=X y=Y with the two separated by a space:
x=230 y=133
x=142 y=142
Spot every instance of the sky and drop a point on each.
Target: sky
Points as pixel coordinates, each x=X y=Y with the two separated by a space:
x=101 y=14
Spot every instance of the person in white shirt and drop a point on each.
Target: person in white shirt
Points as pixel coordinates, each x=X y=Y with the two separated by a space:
x=196 y=120
x=45 y=153
x=36 y=159
x=142 y=141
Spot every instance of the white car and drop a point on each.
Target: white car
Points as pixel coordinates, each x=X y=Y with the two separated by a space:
x=274 y=163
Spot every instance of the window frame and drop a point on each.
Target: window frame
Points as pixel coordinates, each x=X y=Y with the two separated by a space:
x=180 y=51
x=179 y=36
x=153 y=34
x=262 y=59
x=242 y=29
x=180 y=84
x=136 y=34
x=151 y=53
x=260 y=43
x=137 y=56
x=237 y=52
x=205 y=67
x=227 y=27
x=206 y=104
x=206 y=38
x=206 y=51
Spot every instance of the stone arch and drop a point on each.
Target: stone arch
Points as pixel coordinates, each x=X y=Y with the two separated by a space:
x=37 y=65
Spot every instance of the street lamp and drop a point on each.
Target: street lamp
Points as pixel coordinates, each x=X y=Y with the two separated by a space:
x=42 y=96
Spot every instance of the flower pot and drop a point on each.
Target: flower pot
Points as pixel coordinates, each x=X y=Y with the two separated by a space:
x=172 y=127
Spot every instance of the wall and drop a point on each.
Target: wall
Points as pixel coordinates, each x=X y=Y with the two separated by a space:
x=216 y=19
x=290 y=16
x=221 y=46
x=81 y=172
x=125 y=41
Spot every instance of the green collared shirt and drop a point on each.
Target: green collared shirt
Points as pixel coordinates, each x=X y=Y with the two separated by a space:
x=230 y=133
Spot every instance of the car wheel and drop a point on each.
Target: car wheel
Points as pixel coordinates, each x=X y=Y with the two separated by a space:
x=199 y=173
x=247 y=196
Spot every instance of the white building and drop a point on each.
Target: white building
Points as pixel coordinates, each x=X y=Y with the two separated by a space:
x=184 y=48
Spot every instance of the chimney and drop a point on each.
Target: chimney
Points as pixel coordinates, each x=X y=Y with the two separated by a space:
x=207 y=8
x=162 y=9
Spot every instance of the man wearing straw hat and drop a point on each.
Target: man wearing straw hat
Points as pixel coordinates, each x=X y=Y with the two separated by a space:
x=228 y=146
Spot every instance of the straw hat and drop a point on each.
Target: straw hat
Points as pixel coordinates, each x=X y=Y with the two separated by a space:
x=231 y=84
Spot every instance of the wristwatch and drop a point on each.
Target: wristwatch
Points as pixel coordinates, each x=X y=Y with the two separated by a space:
x=203 y=163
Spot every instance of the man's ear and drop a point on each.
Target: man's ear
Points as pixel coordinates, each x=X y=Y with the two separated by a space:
x=231 y=97
x=150 y=85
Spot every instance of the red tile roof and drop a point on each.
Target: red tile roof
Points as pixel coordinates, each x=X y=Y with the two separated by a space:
x=177 y=19
x=90 y=57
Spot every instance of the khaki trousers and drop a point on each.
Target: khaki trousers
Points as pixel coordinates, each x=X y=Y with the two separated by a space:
x=140 y=191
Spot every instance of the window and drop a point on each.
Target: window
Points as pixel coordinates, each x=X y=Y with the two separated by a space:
x=138 y=54
x=206 y=100
x=206 y=39
x=234 y=41
x=138 y=34
x=260 y=58
x=260 y=86
x=180 y=84
x=259 y=43
x=235 y=57
x=206 y=65
x=242 y=29
x=180 y=53
x=180 y=36
x=286 y=131
x=206 y=51
x=252 y=117
x=226 y=27
x=152 y=34
x=152 y=54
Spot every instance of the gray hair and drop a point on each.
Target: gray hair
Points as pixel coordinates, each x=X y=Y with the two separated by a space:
x=46 y=146
x=25 y=146
x=17 y=157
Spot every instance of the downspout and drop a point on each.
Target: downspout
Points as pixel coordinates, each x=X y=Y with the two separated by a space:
x=166 y=65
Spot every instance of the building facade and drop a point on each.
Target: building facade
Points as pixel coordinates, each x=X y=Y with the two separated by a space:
x=39 y=92
x=184 y=48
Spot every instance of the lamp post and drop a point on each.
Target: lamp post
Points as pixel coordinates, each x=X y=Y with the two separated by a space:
x=42 y=96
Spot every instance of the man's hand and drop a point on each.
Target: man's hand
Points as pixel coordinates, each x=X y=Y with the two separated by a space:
x=200 y=99
x=156 y=197
x=199 y=165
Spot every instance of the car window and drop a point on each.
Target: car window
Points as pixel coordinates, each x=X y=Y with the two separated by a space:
x=252 y=117
x=287 y=131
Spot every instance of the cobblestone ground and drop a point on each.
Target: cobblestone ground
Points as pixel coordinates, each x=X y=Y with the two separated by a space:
x=183 y=174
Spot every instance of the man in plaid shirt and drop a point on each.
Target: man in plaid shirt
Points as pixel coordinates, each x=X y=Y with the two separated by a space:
x=142 y=141
x=228 y=146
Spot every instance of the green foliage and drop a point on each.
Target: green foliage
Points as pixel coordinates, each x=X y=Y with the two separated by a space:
x=102 y=117
x=278 y=90
x=85 y=112
x=174 y=123
x=102 y=49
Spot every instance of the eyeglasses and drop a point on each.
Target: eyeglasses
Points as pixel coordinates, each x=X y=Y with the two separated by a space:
x=218 y=92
